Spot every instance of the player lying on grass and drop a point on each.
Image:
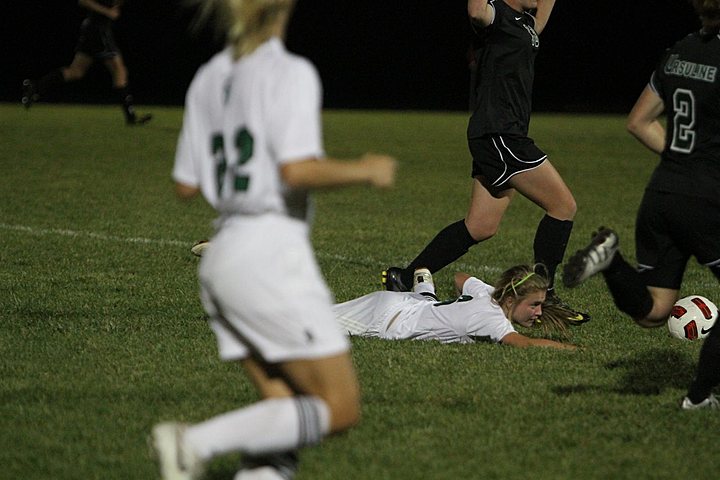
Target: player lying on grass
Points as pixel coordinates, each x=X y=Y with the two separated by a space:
x=480 y=313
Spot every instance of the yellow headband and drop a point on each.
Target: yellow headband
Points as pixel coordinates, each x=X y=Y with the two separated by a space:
x=523 y=280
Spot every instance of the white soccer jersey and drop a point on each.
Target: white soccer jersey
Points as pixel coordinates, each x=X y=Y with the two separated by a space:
x=472 y=317
x=268 y=115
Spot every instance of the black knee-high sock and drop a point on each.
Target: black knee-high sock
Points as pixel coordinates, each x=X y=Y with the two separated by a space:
x=127 y=102
x=627 y=288
x=49 y=82
x=451 y=243
x=708 y=370
x=551 y=239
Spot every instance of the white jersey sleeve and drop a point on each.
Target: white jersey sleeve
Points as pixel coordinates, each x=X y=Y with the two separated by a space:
x=486 y=319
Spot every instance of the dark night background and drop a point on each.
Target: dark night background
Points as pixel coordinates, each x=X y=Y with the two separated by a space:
x=392 y=54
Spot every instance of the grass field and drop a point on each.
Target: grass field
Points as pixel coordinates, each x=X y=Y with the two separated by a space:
x=102 y=333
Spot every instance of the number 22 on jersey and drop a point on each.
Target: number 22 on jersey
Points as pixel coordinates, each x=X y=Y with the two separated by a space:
x=243 y=148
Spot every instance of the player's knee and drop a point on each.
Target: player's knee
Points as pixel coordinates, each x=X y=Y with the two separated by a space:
x=73 y=73
x=564 y=210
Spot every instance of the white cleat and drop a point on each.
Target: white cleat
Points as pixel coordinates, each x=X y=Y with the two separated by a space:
x=199 y=247
x=592 y=259
x=177 y=462
x=422 y=275
x=710 y=403
x=423 y=283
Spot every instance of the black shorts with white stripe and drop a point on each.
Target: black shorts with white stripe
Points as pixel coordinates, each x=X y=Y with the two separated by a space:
x=497 y=158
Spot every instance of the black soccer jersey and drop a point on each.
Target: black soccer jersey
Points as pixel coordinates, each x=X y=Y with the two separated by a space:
x=688 y=81
x=503 y=80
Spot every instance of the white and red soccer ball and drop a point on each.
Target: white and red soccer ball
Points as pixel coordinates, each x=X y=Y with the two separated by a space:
x=692 y=318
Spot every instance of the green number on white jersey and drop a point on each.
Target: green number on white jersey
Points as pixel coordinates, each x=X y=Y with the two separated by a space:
x=244 y=146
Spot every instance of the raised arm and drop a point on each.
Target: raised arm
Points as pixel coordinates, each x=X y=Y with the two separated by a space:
x=518 y=340
x=542 y=15
x=643 y=122
x=480 y=12
x=111 y=12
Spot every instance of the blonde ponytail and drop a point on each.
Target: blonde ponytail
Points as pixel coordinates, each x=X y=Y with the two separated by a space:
x=253 y=22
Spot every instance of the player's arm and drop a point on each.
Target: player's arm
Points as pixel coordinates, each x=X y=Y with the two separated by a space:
x=312 y=173
x=481 y=12
x=460 y=279
x=515 y=339
x=643 y=122
x=542 y=14
x=186 y=192
x=111 y=12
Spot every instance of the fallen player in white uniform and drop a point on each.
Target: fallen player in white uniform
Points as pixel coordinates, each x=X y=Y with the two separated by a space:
x=481 y=312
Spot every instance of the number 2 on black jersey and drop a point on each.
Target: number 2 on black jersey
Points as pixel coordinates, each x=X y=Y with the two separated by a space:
x=683 y=139
x=244 y=146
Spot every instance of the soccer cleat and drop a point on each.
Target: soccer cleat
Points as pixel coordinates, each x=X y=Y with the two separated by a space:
x=423 y=283
x=199 y=247
x=177 y=462
x=392 y=280
x=29 y=95
x=592 y=259
x=710 y=403
x=422 y=275
x=141 y=120
x=558 y=309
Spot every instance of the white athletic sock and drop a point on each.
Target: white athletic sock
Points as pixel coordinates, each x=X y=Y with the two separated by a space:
x=270 y=426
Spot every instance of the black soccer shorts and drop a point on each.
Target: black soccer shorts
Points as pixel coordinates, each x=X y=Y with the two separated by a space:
x=670 y=228
x=497 y=158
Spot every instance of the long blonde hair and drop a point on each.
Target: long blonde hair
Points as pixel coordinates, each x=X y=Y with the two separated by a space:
x=522 y=280
x=247 y=24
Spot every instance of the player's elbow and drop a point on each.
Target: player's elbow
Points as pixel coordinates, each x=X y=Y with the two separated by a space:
x=632 y=126
x=637 y=126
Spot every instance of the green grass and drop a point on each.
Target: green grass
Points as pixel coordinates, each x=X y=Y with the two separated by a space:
x=102 y=333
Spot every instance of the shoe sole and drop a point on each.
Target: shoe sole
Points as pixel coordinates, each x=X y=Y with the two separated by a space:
x=390 y=284
x=574 y=269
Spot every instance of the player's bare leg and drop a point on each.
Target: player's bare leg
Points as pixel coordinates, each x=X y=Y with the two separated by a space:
x=119 y=72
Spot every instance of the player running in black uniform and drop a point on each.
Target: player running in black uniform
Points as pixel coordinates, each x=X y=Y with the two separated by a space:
x=505 y=159
x=679 y=215
x=96 y=42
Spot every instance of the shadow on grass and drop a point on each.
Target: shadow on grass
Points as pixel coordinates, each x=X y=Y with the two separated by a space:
x=645 y=373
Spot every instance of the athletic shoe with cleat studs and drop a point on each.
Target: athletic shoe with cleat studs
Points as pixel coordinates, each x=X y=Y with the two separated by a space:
x=29 y=93
x=176 y=461
x=555 y=307
x=199 y=247
x=422 y=275
x=141 y=120
x=710 y=403
x=592 y=259
x=391 y=279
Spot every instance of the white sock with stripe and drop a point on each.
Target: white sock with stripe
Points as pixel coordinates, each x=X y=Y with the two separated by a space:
x=270 y=426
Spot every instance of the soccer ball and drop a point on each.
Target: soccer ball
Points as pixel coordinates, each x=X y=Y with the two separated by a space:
x=692 y=318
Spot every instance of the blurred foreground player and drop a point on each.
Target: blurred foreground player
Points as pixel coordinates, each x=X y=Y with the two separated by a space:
x=251 y=143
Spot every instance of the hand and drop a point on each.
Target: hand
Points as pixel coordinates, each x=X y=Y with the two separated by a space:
x=113 y=12
x=380 y=168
